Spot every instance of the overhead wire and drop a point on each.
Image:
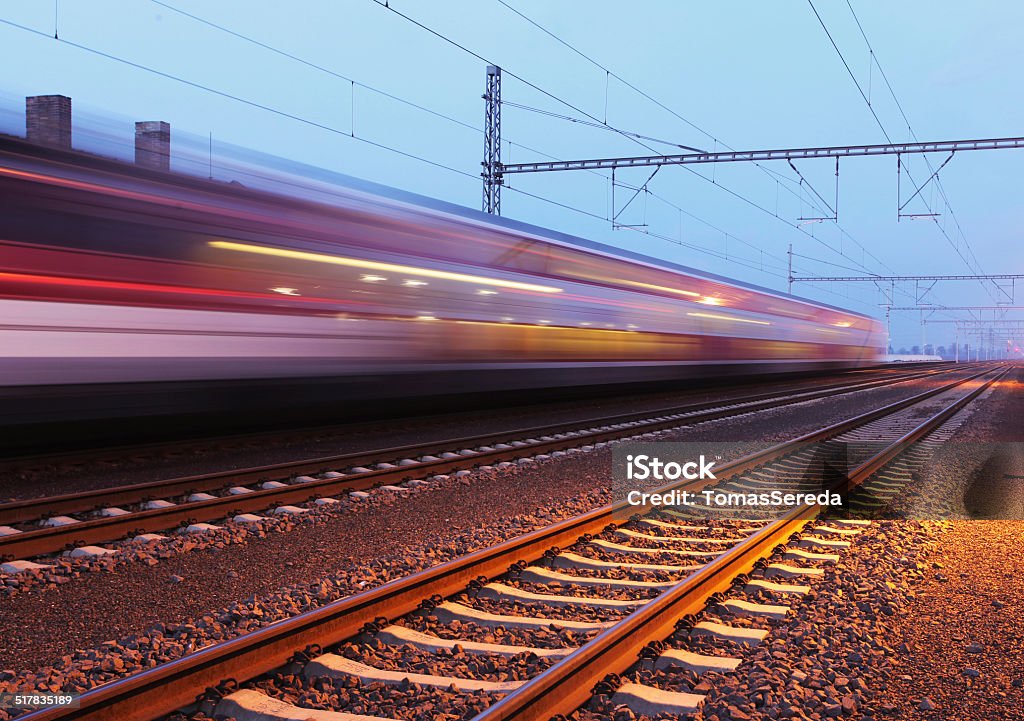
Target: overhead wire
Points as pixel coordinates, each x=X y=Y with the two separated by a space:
x=611 y=73
x=648 y=96
x=297 y=118
x=975 y=267
x=342 y=76
x=601 y=125
x=938 y=181
x=343 y=133
x=315 y=66
x=702 y=249
x=392 y=96
x=236 y=98
x=384 y=4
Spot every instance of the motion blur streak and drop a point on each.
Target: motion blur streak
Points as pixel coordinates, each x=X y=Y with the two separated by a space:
x=385 y=267
x=148 y=287
x=129 y=292
x=649 y=286
x=716 y=316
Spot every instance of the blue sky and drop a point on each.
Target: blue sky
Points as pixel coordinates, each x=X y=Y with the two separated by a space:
x=747 y=74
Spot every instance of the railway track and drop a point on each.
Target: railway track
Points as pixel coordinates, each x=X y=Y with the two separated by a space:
x=75 y=523
x=574 y=621
x=155 y=450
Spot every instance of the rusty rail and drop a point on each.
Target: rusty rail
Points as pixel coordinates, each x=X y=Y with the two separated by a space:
x=566 y=686
x=158 y=691
x=51 y=540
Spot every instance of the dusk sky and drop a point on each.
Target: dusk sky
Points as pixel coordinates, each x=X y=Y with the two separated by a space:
x=736 y=74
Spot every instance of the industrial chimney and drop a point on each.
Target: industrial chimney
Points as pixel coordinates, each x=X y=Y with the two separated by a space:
x=153 y=145
x=48 y=120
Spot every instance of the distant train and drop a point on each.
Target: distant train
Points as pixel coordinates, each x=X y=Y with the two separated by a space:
x=130 y=291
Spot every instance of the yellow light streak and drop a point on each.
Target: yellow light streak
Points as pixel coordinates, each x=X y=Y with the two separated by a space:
x=715 y=316
x=554 y=328
x=665 y=288
x=375 y=265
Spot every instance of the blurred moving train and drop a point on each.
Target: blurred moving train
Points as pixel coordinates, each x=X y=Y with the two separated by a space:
x=132 y=292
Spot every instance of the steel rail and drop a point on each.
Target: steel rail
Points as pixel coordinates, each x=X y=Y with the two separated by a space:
x=155 y=692
x=31 y=508
x=30 y=461
x=50 y=540
x=567 y=685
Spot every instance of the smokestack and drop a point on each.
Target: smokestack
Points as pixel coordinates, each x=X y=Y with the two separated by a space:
x=48 y=120
x=153 y=145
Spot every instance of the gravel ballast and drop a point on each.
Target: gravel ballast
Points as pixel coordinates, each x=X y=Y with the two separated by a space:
x=164 y=638
x=825 y=659
x=65 y=474
x=100 y=605
x=960 y=640
x=188 y=600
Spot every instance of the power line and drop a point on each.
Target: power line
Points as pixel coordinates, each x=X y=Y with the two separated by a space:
x=384 y=93
x=547 y=93
x=709 y=224
x=848 y=70
x=827 y=262
x=236 y=98
x=530 y=84
x=899 y=106
x=592 y=124
x=702 y=249
x=300 y=119
x=339 y=75
x=611 y=73
x=698 y=248
x=384 y=4
x=975 y=267
x=738 y=260
x=660 y=199
x=745 y=262
x=346 y=78
x=315 y=66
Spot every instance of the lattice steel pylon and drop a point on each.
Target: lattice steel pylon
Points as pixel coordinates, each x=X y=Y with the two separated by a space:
x=492 y=142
